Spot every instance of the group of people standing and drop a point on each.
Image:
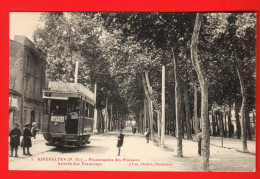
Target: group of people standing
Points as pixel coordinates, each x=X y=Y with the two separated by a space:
x=26 y=142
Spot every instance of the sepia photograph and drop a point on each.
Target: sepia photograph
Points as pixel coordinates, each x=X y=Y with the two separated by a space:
x=132 y=91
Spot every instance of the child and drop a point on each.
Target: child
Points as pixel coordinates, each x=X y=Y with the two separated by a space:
x=120 y=139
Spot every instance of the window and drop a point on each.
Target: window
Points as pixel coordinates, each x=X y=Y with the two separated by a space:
x=58 y=107
x=73 y=105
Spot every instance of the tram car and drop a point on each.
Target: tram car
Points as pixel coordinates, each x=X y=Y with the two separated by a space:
x=68 y=114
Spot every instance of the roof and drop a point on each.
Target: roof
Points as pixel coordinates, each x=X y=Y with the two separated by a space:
x=71 y=88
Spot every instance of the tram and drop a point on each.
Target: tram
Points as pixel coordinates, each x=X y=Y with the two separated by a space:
x=68 y=114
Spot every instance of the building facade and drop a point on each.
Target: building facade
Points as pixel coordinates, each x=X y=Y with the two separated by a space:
x=26 y=82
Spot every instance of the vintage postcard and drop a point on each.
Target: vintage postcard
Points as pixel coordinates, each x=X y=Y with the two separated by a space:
x=132 y=91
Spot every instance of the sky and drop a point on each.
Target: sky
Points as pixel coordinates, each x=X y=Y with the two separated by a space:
x=24 y=23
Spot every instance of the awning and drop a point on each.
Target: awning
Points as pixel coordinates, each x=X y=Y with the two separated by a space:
x=58 y=98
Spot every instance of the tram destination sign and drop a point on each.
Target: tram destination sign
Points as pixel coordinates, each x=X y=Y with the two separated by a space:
x=57 y=118
x=71 y=87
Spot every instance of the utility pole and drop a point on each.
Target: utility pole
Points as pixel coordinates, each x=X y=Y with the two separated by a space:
x=163 y=106
x=76 y=72
x=95 y=109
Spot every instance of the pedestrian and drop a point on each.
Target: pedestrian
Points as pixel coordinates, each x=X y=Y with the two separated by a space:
x=199 y=139
x=147 y=135
x=26 y=142
x=134 y=130
x=120 y=140
x=34 y=130
x=15 y=135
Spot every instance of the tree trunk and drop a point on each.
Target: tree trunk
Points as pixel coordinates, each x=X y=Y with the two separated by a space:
x=187 y=107
x=221 y=124
x=195 y=110
x=182 y=119
x=107 y=116
x=229 y=123
x=209 y=124
x=148 y=113
x=217 y=123
x=111 y=117
x=163 y=107
x=102 y=123
x=213 y=123
x=140 y=125
x=151 y=118
x=192 y=126
x=117 y=121
x=95 y=109
x=248 y=127
x=159 y=125
x=144 y=116
x=254 y=120
x=151 y=102
x=238 y=126
x=243 y=107
x=177 y=108
x=204 y=94
x=225 y=123
x=221 y=127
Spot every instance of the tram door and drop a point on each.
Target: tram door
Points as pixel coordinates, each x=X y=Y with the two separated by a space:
x=71 y=126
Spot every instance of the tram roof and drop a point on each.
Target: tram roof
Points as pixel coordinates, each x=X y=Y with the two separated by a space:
x=61 y=87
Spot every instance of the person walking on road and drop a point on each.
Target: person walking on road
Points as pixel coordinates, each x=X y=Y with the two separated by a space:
x=134 y=130
x=15 y=135
x=147 y=135
x=27 y=142
x=120 y=140
x=199 y=139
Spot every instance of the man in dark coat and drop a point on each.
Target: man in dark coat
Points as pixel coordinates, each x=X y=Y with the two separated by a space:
x=27 y=139
x=15 y=135
x=120 y=139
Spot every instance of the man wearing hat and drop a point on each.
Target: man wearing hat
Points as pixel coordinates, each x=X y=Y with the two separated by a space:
x=15 y=135
x=27 y=139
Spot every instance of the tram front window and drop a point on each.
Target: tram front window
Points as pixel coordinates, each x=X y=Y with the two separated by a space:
x=59 y=107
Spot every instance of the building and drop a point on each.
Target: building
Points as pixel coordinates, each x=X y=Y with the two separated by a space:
x=26 y=81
